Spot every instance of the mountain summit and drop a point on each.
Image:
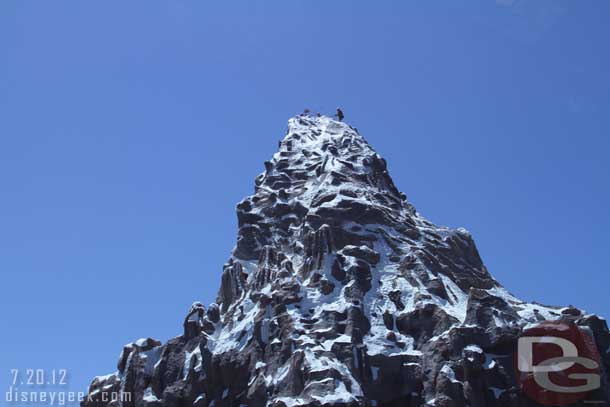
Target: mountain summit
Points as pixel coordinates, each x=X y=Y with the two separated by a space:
x=339 y=293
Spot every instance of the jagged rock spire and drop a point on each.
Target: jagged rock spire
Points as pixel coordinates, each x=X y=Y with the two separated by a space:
x=339 y=293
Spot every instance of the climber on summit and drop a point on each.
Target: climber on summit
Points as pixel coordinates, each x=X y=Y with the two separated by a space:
x=340 y=115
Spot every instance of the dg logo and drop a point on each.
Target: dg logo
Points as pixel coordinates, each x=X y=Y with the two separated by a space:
x=557 y=364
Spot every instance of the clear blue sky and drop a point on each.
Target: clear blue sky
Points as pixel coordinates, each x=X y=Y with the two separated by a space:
x=129 y=131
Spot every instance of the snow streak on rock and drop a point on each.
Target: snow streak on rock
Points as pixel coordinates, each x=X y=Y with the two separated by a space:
x=338 y=292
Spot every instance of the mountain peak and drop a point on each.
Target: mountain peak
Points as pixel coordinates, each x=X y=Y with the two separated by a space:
x=322 y=166
x=339 y=293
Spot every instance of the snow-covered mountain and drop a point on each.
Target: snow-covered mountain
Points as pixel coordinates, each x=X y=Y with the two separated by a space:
x=338 y=292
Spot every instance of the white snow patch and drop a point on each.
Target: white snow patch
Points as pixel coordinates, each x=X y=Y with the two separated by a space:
x=449 y=373
x=149 y=396
x=474 y=348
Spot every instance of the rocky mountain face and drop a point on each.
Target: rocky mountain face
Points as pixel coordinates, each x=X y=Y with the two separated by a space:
x=338 y=292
